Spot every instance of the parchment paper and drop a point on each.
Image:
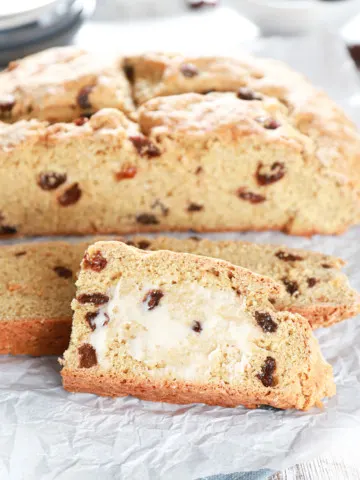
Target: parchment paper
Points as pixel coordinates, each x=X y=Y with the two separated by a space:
x=47 y=433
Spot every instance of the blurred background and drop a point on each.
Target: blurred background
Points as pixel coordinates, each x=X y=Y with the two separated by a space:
x=130 y=25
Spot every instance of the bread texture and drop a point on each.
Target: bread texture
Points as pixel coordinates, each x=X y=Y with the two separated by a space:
x=182 y=328
x=37 y=285
x=279 y=155
x=62 y=84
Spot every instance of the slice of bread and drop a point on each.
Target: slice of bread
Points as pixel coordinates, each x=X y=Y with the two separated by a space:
x=182 y=328
x=37 y=285
x=312 y=283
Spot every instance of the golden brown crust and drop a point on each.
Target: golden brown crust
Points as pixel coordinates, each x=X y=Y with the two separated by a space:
x=60 y=84
x=178 y=392
x=321 y=316
x=35 y=337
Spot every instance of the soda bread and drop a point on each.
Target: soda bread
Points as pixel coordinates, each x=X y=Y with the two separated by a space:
x=37 y=286
x=181 y=328
x=61 y=84
x=269 y=151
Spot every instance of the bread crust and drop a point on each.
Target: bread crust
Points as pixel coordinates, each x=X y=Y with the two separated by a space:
x=320 y=316
x=36 y=337
x=175 y=392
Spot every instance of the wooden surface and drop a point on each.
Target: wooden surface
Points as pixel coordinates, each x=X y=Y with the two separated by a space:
x=324 y=468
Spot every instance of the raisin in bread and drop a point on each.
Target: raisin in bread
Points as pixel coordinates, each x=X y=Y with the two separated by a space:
x=182 y=328
x=37 y=286
x=207 y=162
x=60 y=84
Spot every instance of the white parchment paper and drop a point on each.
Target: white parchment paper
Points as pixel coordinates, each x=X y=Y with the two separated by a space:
x=47 y=433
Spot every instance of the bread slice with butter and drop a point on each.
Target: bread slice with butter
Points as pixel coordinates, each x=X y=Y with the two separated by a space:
x=181 y=328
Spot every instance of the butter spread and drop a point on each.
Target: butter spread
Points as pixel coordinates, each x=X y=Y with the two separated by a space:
x=164 y=338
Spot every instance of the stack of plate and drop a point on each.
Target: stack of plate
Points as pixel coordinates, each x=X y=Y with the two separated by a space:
x=26 y=27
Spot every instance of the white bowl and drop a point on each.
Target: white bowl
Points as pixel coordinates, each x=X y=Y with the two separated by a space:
x=288 y=17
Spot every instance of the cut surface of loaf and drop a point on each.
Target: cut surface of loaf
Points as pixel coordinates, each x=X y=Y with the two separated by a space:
x=279 y=155
x=181 y=328
x=62 y=84
x=37 y=285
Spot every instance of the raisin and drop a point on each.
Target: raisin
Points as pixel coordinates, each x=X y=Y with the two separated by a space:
x=7 y=230
x=287 y=257
x=130 y=243
x=129 y=73
x=126 y=172
x=80 y=121
x=152 y=298
x=143 y=244
x=265 y=321
x=96 y=298
x=51 y=180
x=245 y=93
x=90 y=317
x=198 y=170
x=267 y=372
x=164 y=209
x=195 y=238
x=20 y=254
x=196 y=326
x=250 y=196
x=87 y=355
x=70 y=196
x=277 y=171
x=292 y=287
x=147 y=219
x=311 y=282
x=145 y=147
x=83 y=97
x=268 y=123
x=189 y=70
x=63 y=272
x=7 y=105
x=230 y=274
x=97 y=262
x=326 y=265
x=195 y=207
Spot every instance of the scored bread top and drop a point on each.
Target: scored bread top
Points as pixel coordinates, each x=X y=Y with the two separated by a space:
x=157 y=315
x=309 y=109
x=62 y=83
